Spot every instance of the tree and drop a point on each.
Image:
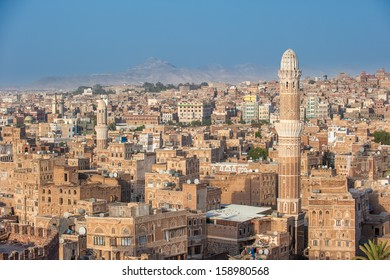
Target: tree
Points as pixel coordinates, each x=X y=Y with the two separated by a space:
x=257 y=153
x=207 y=122
x=112 y=126
x=196 y=123
x=229 y=122
x=139 y=128
x=373 y=251
x=257 y=134
x=381 y=136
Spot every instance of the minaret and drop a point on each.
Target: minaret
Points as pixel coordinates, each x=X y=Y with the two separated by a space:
x=54 y=104
x=289 y=129
x=101 y=127
x=61 y=109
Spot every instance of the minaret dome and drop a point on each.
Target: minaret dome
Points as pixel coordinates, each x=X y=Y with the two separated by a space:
x=289 y=61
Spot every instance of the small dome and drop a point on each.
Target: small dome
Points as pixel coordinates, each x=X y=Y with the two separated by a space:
x=289 y=61
x=102 y=104
x=28 y=119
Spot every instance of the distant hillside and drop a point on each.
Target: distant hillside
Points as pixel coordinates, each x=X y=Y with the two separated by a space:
x=155 y=70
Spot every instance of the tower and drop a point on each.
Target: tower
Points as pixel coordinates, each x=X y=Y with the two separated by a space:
x=289 y=129
x=61 y=108
x=54 y=104
x=101 y=127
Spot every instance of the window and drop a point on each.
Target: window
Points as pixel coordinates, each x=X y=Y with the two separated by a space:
x=126 y=241
x=338 y=223
x=327 y=242
x=346 y=223
x=315 y=242
x=113 y=241
x=66 y=177
x=99 y=240
x=142 y=239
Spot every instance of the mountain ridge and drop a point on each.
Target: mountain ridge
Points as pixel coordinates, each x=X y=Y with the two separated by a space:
x=155 y=70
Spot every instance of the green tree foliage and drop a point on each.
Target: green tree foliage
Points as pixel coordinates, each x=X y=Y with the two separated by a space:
x=258 y=134
x=381 y=136
x=229 y=122
x=158 y=87
x=373 y=251
x=196 y=123
x=112 y=126
x=257 y=153
x=96 y=89
x=207 y=122
x=139 y=128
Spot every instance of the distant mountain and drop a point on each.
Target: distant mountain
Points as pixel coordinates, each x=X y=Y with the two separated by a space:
x=154 y=70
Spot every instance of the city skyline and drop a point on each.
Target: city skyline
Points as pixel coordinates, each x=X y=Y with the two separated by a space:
x=43 y=38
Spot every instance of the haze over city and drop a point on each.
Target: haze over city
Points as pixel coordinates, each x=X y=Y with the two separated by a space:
x=180 y=130
x=41 y=39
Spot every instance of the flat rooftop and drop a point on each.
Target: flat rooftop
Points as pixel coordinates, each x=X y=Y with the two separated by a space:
x=8 y=247
x=238 y=213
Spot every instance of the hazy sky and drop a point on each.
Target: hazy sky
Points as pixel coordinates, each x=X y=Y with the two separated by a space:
x=62 y=38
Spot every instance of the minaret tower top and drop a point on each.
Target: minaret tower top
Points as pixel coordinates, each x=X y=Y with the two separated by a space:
x=101 y=113
x=289 y=75
x=289 y=61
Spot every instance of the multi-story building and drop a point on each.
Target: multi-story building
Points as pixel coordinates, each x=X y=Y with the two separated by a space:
x=250 y=109
x=194 y=111
x=265 y=111
x=130 y=230
x=335 y=221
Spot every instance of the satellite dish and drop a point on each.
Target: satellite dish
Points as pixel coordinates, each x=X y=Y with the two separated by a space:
x=196 y=181
x=111 y=174
x=188 y=181
x=66 y=215
x=81 y=211
x=62 y=241
x=82 y=231
x=257 y=170
x=115 y=175
x=266 y=251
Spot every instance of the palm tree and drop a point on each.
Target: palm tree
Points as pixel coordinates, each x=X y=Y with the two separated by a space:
x=379 y=251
